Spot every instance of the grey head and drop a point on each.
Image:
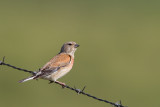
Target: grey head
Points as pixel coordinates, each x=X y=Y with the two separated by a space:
x=69 y=48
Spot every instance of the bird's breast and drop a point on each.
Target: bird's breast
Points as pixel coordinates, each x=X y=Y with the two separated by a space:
x=62 y=71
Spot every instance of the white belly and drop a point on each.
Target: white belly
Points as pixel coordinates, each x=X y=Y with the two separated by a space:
x=58 y=74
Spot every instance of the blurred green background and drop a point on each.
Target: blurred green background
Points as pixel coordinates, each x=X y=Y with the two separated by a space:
x=118 y=58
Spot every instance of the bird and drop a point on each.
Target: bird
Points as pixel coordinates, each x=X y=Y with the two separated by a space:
x=58 y=66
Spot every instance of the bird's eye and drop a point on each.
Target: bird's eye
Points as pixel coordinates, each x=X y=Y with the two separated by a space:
x=69 y=44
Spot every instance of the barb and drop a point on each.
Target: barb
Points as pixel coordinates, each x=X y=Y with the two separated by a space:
x=21 y=69
x=79 y=91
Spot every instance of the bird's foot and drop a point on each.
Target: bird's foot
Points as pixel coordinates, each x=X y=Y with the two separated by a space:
x=61 y=83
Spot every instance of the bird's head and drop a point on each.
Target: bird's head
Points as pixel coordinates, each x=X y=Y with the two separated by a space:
x=69 y=48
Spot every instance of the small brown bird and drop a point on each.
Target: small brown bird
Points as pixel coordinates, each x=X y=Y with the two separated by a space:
x=58 y=66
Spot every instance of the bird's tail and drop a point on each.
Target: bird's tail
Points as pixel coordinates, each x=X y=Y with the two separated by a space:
x=27 y=79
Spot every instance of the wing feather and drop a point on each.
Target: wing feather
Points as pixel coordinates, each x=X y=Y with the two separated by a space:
x=60 y=60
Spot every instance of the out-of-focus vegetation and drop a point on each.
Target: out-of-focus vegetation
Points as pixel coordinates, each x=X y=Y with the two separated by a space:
x=118 y=58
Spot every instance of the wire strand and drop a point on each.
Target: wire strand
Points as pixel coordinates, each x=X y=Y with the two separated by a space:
x=79 y=91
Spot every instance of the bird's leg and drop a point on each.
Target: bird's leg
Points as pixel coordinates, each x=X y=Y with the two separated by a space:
x=61 y=83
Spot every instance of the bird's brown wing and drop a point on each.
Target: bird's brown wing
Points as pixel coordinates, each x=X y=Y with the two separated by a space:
x=60 y=60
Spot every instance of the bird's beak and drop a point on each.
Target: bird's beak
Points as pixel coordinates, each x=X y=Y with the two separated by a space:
x=76 y=45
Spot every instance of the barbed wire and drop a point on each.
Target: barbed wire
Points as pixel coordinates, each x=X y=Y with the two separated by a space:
x=79 y=91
